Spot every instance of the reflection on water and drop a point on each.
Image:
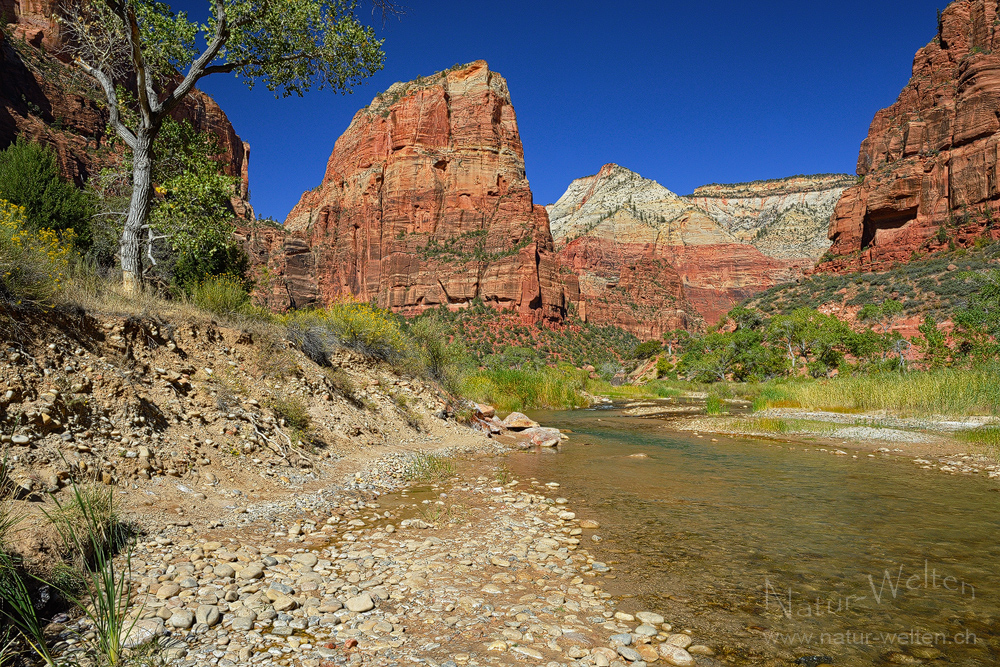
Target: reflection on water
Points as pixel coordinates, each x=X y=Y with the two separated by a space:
x=770 y=552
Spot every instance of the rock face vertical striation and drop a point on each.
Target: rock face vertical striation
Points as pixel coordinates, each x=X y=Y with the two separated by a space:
x=928 y=167
x=424 y=203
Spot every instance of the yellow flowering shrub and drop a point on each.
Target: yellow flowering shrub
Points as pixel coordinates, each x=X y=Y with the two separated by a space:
x=33 y=265
x=356 y=325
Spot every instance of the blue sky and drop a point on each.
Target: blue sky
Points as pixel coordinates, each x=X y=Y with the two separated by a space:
x=684 y=93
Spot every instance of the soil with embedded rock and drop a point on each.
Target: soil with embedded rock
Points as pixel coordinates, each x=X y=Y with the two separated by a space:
x=424 y=203
x=929 y=162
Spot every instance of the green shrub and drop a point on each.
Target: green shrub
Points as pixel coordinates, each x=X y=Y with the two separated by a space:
x=293 y=410
x=443 y=359
x=663 y=367
x=224 y=295
x=647 y=349
x=30 y=178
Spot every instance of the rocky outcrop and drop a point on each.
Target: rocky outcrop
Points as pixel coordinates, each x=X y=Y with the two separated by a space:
x=929 y=163
x=650 y=261
x=424 y=203
x=49 y=101
x=786 y=218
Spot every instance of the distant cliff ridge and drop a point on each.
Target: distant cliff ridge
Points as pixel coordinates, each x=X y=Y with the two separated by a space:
x=787 y=218
x=649 y=260
x=424 y=203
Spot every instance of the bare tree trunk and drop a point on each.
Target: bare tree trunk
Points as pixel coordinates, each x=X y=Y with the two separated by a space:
x=129 y=249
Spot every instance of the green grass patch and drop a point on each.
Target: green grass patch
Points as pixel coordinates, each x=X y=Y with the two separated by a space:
x=948 y=392
x=984 y=436
x=429 y=468
x=714 y=405
x=512 y=390
x=761 y=425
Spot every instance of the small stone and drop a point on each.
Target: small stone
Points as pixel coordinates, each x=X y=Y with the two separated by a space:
x=307 y=559
x=700 y=649
x=224 y=571
x=679 y=639
x=361 y=603
x=647 y=616
x=622 y=616
x=182 y=619
x=590 y=524
x=284 y=603
x=528 y=651
x=20 y=440
x=168 y=591
x=207 y=614
x=252 y=571
x=675 y=655
x=242 y=624
x=629 y=653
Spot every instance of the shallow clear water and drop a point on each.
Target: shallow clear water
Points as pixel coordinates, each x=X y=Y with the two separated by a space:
x=748 y=542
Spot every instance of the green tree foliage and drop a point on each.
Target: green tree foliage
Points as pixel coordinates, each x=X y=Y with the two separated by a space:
x=646 y=349
x=194 y=215
x=290 y=46
x=933 y=343
x=189 y=237
x=30 y=178
x=978 y=325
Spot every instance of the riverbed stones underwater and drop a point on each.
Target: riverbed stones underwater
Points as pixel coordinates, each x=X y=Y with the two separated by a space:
x=490 y=575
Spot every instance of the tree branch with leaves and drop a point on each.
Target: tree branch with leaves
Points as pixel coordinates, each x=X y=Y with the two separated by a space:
x=290 y=46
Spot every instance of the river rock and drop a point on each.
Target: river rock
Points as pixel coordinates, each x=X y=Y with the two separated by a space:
x=644 y=616
x=517 y=421
x=361 y=603
x=182 y=619
x=675 y=655
x=629 y=653
x=679 y=639
x=252 y=571
x=207 y=614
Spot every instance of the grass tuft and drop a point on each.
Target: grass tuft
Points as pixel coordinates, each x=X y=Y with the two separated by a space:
x=429 y=468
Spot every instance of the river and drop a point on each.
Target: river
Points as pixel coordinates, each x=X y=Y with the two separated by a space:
x=770 y=551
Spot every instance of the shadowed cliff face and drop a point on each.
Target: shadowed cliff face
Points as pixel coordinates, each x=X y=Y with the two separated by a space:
x=929 y=163
x=424 y=203
x=650 y=261
x=47 y=100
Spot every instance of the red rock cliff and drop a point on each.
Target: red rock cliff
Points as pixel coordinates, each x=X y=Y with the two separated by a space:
x=929 y=163
x=52 y=102
x=424 y=202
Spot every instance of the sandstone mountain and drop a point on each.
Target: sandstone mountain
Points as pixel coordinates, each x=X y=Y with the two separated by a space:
x=649 y=260
x=47 y=100
x=929 y=163
x=785 y=218
x=424 y=203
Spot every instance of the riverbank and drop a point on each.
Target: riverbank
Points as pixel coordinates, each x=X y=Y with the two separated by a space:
x=932 y=443
x=459 y=570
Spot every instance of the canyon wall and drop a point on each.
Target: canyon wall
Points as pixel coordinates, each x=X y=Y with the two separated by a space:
x=786 y=218
x=929 y=163
x=49 y=101
x=424 y=203
x=649 y=260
